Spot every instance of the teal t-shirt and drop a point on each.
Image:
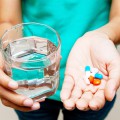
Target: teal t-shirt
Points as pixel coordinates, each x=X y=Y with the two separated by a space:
x=70 y=18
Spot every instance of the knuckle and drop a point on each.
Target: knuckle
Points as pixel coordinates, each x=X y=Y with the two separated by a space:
x=20 y=99
x=75 y=95
x=4 y=102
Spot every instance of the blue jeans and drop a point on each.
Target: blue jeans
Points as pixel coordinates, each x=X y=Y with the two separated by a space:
x=50 y=110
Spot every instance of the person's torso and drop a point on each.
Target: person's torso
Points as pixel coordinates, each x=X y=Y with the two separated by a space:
x=71 y=19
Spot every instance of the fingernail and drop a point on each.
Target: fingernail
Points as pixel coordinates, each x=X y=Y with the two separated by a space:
x=35 y=106
x=13 y=84
x=28 y=102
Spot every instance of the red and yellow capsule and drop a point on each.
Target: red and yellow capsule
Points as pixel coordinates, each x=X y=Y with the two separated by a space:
x=96 y=81
x=91 y=79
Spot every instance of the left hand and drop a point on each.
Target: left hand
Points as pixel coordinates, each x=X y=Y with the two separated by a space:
x=94 y=49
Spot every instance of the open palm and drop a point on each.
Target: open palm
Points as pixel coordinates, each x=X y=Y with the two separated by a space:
x=96 y=50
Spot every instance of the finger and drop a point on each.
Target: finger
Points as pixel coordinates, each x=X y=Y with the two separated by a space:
x=17 y=99
x=114 y=80
x=91 y=88
x=94 y=88
x=78 y=89
x=69 y=104
x=7 y=103
x=98 y=100
x=7 y=82
x=83 y=102
x=67 y=87
x=103 y=84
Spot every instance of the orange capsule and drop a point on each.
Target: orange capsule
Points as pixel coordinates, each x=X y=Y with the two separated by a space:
x=96 y=81
x=91 y=79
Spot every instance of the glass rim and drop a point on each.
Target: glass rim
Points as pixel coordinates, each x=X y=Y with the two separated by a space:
x=34 y=23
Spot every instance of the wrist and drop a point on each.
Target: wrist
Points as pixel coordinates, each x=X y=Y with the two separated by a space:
x=96 y=34
x=108 y=32
x=112 y=30
x=96 y=38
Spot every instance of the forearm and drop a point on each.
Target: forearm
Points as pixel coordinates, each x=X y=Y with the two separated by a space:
x=112 y=29
x=3 y=27
x=10 y=14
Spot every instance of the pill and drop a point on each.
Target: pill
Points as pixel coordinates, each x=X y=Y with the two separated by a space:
x=92 y=74
x=87 y=68
x=91 y=79
x=94 y=70
x=87 y=80
x=98 y=75
x=87 y=74
x=96 y=81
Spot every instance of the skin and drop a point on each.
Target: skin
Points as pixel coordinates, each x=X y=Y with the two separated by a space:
x=97 y=49
x=75 y=92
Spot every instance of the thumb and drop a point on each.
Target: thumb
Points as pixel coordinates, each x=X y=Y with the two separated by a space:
x=114 y=79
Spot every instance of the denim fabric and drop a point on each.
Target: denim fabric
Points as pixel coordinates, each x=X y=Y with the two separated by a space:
x=50 y=110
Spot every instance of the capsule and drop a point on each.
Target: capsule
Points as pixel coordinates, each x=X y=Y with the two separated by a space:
x=98 y=75
x=96 y=82
x=87 y=68
x=91 y=79
x=87 y=81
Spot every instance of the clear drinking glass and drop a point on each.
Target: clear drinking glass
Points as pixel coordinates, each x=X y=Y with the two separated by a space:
x=31 y=54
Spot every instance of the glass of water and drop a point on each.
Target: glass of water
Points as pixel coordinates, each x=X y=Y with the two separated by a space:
x=31 y=53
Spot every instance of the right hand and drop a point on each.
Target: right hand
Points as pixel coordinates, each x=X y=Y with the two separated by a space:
x=11 y=99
